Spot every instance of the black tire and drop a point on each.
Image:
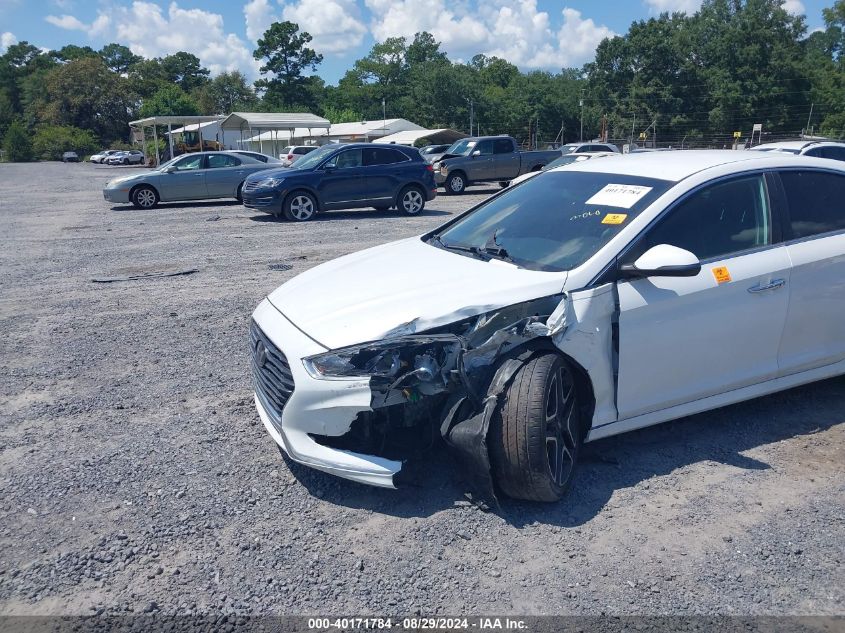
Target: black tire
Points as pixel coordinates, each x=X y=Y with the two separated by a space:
x=411 y=200
x=300 y=206
x=535 y=433
x=456 y=183
x=239 y=193
x=125 y=161
x=504 y=184
x=144 y=197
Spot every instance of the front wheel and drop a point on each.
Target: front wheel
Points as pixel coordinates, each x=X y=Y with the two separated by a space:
x=144 y=198
x=456 y=183
x=535 y=433
x=300 y=206
x=411 y=200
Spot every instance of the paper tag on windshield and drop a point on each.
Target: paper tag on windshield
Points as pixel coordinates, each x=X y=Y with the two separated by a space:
x=622 y=196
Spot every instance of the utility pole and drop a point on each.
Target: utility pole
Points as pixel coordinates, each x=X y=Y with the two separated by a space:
x=808 y=119
x=383 y=117
x=471 y=114
x=581 y=103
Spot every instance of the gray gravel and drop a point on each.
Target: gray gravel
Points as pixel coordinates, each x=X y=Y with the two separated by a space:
x=136 y=477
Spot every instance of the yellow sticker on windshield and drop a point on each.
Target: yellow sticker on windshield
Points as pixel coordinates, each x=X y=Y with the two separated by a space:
x=614 y=218
x=722 y=274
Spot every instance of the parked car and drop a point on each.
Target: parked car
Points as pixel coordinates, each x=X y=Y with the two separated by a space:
x=130 y=157
x=293 y=153
x=70 y=157
x=487 y=159
x=101 y=156
x=596 y=299
x=198 y=176
x=564 y=160
x=819 y=149
x=257 y=156
x=586 y=148
x=432 y=153
x=344 y=176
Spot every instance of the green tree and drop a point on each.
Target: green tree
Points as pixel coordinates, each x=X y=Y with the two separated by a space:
x=119 y=58
x=286 y=57
x=227 y=92
x=51 y=141
x=185 y=70
x=169 y=100
x=84 y=93
x=72 y=51
x=17 y=144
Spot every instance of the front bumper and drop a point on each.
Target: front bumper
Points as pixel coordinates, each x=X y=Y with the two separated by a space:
x=267 y=200
x=321 y=407
x=116 y=195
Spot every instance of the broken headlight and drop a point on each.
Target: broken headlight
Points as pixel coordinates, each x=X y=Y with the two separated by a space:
x=422 y=355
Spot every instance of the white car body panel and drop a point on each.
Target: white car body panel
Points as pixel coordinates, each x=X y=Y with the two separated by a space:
x=358 y=298
x=686 y=344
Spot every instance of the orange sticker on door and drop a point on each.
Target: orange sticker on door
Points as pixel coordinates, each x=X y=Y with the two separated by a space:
x=722 y=274
x=614 y=218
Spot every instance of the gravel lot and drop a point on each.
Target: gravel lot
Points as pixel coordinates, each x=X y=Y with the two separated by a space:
x=135 y=475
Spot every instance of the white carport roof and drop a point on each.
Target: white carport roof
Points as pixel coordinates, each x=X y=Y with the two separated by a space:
x=409 y=137
x=273 y=121
x=351 y=131
x=193 y=126
x=172 y=120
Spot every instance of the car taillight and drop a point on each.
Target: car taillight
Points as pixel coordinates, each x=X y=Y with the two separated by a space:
x=429 y=167
x=290 y=156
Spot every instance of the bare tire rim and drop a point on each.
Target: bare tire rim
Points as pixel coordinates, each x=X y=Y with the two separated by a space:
x=560 y=426
x=412 y=201
x=301 y=207
x=456 y=183
x=145 y=197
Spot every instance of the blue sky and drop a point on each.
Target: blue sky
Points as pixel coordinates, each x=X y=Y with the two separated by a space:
x=545 y=34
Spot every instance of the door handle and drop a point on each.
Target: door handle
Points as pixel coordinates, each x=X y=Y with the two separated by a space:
x=774 y=284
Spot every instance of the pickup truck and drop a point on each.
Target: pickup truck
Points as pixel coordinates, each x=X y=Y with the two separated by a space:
x=486 y=159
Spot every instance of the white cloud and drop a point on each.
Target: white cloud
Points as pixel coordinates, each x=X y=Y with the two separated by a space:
x=683 y=6
x=7 y=39
x=334 y=25
x=794 y=7
x=67 y=22
x=514 y=30
x=259 y=15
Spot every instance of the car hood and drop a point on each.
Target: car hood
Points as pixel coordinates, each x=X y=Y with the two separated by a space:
x=400 y=288
x=132 y=178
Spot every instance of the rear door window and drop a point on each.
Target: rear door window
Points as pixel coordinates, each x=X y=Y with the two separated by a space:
x=502 y=146
x=222 y=160
x=816 y=202
x=382 y=156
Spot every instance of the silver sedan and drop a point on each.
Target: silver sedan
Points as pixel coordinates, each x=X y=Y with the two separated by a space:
x=199 y=176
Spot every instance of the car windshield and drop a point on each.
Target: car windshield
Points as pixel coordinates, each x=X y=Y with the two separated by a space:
x=312 y=159
x=554 y=222
x=564 y=160
x=461 y=148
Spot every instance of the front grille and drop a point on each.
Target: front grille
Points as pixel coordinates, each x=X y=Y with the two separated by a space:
x=250 y=185
x=272 y=379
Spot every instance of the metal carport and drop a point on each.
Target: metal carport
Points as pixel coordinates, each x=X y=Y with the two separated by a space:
x=273 y=122
x=169 y=121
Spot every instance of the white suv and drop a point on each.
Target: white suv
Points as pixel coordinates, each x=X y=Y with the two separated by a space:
x=293 y=153
x=819 y=149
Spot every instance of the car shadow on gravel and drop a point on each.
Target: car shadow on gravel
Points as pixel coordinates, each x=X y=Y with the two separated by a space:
x=435 y=482
x=352 y=214
x=719 y=436
x=180 y=205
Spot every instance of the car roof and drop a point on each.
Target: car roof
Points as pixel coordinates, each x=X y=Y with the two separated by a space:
x=676 y=165
x=796 y=145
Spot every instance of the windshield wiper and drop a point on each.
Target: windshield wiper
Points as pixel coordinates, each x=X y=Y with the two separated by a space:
x=492 y=248
x=473 y=250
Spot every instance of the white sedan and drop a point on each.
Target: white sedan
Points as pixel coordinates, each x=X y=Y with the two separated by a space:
x=605 y=296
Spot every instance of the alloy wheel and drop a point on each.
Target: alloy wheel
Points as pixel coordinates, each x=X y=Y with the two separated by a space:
x=301 y=207
x=560 y=426
x=412 y=201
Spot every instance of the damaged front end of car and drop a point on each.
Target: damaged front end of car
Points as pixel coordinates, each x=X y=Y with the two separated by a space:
x=430 y=379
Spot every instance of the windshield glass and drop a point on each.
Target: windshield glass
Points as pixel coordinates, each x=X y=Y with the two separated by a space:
x=168 y=163
x=312 y=159
x=564 y=160
x=553 y=222
x=462 y=147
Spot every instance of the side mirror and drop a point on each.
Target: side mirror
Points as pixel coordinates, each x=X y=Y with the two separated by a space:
x=170 y=169
x=662 y=260
x=476 y=153
x=328 y=167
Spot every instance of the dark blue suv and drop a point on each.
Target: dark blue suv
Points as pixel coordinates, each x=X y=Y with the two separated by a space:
x=344 y=176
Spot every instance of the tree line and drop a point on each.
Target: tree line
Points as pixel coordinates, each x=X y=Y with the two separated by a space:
x=674 y=78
